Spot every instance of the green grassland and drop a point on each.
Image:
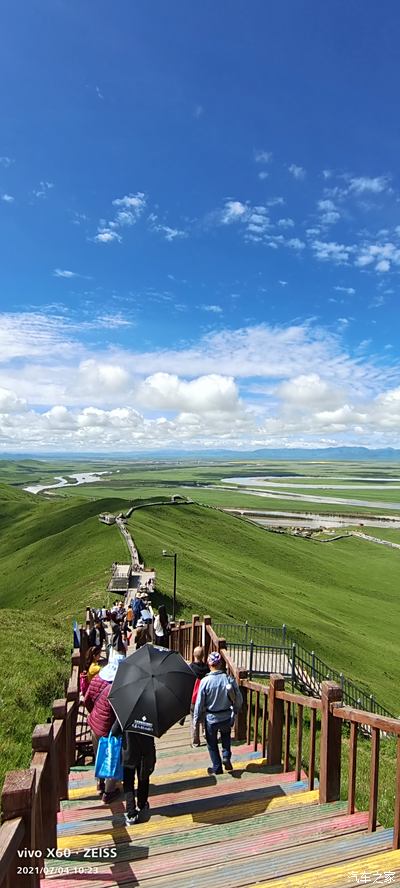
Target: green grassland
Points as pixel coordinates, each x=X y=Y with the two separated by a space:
x=35 y=660
x=340 y=600
x=55 y=557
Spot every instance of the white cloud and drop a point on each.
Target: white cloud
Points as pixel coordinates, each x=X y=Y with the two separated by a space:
x=381 y=255
x=43 y=189
x=329 y=211
x=216 y=309
x=295 y=243
x=298 y=172
x=91 y=395
x=263 y=156
x=8 y=198
x=365 y=185
x=6 y=161
x=170 y=234
x=198 y=111
x=107 y=236
x=349 y=290
x=206 y=393
x=100 y=376
x=64 y=273
x=285 y=223
x=10 y=403
x=383 y=265
x=263 y=175
x=332 y=251
x=233 y=211
x=99 y=93
x=135 y=202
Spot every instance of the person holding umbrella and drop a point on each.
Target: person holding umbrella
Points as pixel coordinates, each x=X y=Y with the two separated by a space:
x=138 y=760
x=151 y=691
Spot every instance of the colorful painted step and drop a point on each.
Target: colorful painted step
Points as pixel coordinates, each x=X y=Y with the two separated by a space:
x=251 y=827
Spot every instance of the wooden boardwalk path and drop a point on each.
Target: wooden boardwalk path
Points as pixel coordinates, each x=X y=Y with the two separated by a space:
x=244 y=828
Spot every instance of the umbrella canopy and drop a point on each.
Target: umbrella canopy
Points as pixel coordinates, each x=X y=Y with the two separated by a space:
x=152 y=690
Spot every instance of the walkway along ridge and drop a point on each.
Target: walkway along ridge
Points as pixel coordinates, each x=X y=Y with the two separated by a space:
x=263 y=821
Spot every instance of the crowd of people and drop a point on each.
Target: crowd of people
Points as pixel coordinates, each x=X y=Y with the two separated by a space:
x=215 y=701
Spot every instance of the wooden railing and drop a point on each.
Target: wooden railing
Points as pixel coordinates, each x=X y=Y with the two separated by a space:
x=358 y=718
x=31 y=798
x=265 y=724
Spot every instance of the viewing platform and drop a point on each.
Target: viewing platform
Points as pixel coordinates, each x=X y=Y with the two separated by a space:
x=268 y=821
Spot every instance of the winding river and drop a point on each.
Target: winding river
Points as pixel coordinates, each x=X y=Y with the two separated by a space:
x=80 y=478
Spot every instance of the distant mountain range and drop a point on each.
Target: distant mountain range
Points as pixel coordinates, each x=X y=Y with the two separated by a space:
x=299 y=453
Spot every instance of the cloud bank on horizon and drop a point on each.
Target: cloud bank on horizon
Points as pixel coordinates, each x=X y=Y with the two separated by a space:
x=188 y=266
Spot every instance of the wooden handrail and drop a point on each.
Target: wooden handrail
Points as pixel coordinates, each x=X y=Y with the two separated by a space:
x=12 y=835
x=299 y=699
x=362 y=717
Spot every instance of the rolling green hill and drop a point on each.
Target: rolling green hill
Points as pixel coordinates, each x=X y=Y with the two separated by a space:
x=55 y=558
x=340 y=600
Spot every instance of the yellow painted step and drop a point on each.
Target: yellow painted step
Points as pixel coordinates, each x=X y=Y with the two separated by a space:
x=84 y=792
x=186 y=821
x=363 y=870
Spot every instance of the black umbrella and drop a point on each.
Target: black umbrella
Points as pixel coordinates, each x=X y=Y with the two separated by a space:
x=152 y=690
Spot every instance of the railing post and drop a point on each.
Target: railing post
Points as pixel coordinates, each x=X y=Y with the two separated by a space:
x=206 y=622
x=312 y=665
x=246 y=631
x=221 y=644
x=18 y=800
x=43 y=742
x=60 y=723
x=284 y=634
x=195 y=620
x=72 y=697
x=275 y=720
x=84 y=646
x=180 y=624
x=240 y=729
x=293 y=666
x=331 y=745
x=251 y=654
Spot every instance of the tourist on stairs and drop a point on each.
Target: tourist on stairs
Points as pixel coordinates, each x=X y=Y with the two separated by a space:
x=162 y=629
x=97 y=635
x=138 y=759
x=92 y=662
x=101 y=718
x=200 y=669
x=218 y=700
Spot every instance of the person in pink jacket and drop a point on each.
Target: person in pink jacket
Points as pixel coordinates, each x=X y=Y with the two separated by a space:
x=102 y=717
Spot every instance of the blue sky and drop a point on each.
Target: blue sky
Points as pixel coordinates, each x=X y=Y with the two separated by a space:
x=200 y=224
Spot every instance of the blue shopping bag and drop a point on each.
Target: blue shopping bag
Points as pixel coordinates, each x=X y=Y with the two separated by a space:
x=108 y=758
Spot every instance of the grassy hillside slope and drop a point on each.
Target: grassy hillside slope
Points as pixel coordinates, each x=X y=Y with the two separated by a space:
x=55 y=558
x=35 y=659
x=56 y=554
x=341 y=599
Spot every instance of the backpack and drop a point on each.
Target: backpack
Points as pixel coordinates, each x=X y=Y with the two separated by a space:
x=83 y=682
x=195 y=690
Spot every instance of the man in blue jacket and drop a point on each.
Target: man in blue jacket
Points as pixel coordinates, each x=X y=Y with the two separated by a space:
x=218 y=700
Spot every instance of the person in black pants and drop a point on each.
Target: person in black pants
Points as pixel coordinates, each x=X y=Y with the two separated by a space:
x=138 y=759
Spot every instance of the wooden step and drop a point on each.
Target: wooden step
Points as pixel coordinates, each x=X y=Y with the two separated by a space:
x=255 y=864
x=160 y=823
x=349 y=874
x=306 y=816
x=148 y=861
x=204 y=787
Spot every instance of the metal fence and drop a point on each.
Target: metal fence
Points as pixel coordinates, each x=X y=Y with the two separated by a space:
x=269 y=649
x=243 y=633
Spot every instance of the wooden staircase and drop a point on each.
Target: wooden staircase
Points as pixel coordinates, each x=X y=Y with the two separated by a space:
x=244 y=828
